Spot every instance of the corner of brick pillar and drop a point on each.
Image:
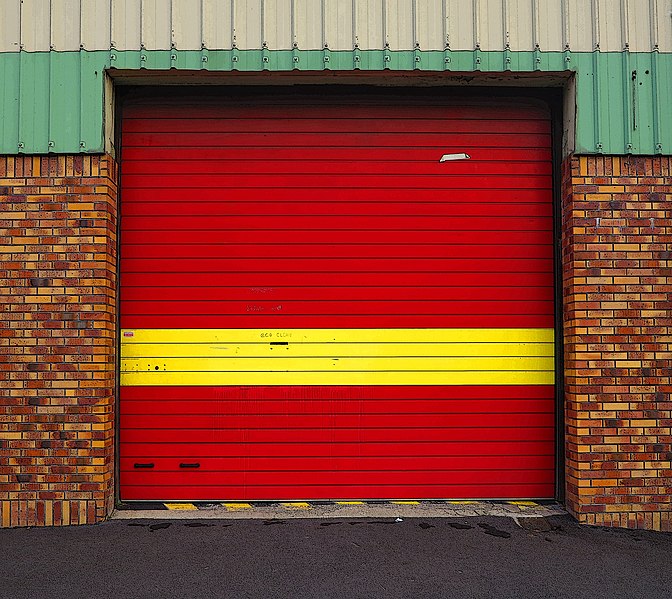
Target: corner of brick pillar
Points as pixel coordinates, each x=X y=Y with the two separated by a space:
x=617 y=325
x=59 y=335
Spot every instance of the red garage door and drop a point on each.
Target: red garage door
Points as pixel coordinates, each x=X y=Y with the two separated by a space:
x=313 y=306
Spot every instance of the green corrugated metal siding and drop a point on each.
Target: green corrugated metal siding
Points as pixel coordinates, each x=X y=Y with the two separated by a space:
x=53 y=101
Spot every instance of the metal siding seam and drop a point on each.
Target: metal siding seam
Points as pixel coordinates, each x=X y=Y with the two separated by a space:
x=232 y=21
x=20 y=106
x=53 y=118
x=171 y=18
x=444 y=24
x=81 y=82
x=506 y=33
x=476 y=24
x=323 y=29
x=535 y=24
x=657 y=95
x=657 y=92
x=565 y=25
x=597 y=106
x=628 y=107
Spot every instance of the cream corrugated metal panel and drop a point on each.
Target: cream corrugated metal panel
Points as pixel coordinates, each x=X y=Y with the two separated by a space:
x=490 y=19
x=370 y=19
x=156 y=24
x=10 y=25
x=611 y=23
x=493 y=25
x=187 y=17
x=95 y=29
x=548 y=26
x=66 y=28
x=35 y=25
x=518 y=20
x=307 y=24
x=247 y=24
x=640 y=27
x=580 y=25
x=430 y=25
x=339 y=25
x=126 y=24
x=661 y=19
x=277 y=22
x=461 y=25
x=400 y=24
x=217 y=24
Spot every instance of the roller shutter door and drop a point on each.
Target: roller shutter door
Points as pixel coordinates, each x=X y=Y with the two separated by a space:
x=314 y=307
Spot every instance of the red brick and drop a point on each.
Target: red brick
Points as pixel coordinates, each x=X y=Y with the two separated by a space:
x=634 y=327
x=45 y=205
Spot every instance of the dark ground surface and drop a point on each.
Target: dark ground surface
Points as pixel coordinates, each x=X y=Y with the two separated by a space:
x=415 y=558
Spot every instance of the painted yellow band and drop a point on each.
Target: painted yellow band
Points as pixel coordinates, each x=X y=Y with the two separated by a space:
x=326 y=350
x=335 y=364
x=337 y=357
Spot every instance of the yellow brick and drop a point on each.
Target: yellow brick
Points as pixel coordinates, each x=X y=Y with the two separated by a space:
x=605 y=482
x=616 y=166
x=611 y=189
x=583 y=166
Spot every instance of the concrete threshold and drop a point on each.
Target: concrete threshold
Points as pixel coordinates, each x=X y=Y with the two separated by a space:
x=289 y=510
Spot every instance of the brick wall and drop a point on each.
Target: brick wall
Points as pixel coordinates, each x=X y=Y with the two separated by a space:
x=617 y=234
x=57 y=339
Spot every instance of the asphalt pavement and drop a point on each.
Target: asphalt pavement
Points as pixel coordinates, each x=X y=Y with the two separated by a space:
x=415 y=558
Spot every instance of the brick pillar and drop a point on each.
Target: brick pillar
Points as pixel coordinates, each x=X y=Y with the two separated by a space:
x=57 y=339
x=616 y=242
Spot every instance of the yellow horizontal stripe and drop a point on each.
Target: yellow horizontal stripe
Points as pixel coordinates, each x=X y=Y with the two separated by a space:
x=502 y=377
x=332 y=364
x=130 y=336
x=337 y=357
x=328 y=350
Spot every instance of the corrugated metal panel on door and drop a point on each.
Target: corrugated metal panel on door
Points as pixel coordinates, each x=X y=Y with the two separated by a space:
x=313 y=307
